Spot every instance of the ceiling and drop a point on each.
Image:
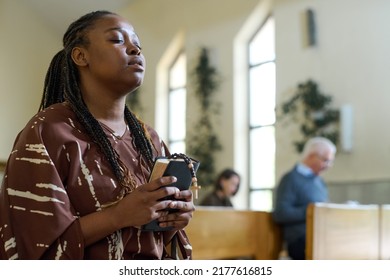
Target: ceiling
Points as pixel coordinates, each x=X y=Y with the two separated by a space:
x=59 y=13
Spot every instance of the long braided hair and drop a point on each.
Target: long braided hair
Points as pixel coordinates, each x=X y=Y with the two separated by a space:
x=62 y=84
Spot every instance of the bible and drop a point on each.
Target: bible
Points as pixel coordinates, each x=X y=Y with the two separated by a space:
x=177 y=167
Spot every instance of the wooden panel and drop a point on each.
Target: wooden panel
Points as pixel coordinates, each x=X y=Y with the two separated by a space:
x=385 y=232
x=269 y=237
x=341 y=231
x=309 y=231
x=224 y=233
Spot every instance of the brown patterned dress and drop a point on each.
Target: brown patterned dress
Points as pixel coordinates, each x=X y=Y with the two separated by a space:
x=56 y=174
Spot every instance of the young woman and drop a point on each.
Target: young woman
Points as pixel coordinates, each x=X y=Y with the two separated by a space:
x=76 y=182
x=226 y=186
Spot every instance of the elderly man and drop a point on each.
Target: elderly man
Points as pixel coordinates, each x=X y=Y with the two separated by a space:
x=298 y=188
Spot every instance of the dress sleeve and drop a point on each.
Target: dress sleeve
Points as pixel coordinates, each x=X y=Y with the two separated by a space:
x=37 y=220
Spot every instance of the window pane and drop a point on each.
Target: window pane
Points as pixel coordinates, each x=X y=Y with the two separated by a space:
x=262 y=47
x=262 y=94
x=261 y=200
x=177 y=75
x=262 y=157
x=177 y=115
x=177 y=147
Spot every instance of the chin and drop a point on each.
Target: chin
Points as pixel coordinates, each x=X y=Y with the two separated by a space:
x=135 y=84
x=138 y=81
x=133 y=90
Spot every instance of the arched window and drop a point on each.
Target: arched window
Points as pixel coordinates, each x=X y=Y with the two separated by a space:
x=261 y=62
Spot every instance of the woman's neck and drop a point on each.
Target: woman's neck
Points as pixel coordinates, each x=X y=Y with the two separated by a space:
x=109 y=112
x=220 y=194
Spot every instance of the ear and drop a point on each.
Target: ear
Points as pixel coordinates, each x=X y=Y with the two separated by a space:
x=79 y=56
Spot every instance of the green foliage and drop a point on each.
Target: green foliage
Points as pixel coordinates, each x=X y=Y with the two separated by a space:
x=203 y=142
x=206 y=80
x=311 y=108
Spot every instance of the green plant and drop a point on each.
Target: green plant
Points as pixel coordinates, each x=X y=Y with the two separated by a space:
x=310 y=108
x=203 y=142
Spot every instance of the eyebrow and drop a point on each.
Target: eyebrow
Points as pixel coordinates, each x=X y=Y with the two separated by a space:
x=114 y=28
x=121 y=29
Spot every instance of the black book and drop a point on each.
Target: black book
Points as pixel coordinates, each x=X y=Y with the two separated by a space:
x=171 y=167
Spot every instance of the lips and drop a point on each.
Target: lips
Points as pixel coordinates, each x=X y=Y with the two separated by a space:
x=137 y=63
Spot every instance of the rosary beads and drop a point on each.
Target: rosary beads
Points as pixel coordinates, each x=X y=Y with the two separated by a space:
x=194 y=181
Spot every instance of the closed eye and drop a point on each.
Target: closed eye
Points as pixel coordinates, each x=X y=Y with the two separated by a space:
x=117 y=41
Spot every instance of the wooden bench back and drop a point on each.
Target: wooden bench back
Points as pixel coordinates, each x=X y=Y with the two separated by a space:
x=224 y=233
x=341 y=231
x=384 y=232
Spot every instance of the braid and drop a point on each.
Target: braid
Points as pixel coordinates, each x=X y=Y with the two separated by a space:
x=62 y=83
x=53 y=86
x=141 y=136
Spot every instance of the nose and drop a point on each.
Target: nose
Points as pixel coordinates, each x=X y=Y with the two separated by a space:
x=133 y=49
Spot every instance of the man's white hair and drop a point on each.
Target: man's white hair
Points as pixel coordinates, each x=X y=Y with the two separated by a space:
x=319 y=145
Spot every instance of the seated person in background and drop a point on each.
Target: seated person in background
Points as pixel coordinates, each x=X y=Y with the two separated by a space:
x=297 y=189
x=225 y=187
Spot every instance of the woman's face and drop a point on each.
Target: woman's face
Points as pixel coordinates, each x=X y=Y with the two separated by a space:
x=113 y=55
x=229 y=186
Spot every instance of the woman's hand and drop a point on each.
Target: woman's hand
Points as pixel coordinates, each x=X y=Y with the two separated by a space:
x=179 y=219
x=138 y=208
x=143 y=204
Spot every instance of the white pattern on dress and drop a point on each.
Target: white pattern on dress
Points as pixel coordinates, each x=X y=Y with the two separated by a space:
x=115 y=245
x=29 y=195
x=88 y=177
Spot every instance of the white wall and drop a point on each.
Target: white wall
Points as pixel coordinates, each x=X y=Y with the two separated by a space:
x=351 y=63
x=27 y=45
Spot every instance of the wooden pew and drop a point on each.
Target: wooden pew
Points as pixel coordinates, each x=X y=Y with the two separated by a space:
x=384 y=242
x=224 y=233
x=341 y=231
